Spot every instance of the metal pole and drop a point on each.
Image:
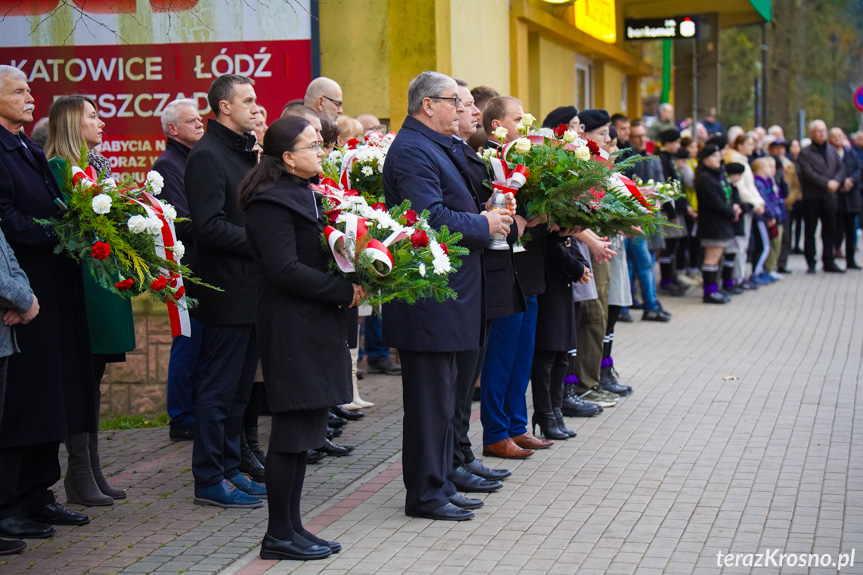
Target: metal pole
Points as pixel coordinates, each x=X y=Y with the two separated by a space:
x=694 y=85
x=758 y=102
x=764 y=72
x=801 y=123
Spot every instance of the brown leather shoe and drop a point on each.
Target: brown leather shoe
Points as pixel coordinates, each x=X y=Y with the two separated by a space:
x=528 y=441
x=506 y=449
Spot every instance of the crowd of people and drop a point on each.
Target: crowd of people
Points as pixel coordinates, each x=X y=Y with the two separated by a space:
x=282 y=336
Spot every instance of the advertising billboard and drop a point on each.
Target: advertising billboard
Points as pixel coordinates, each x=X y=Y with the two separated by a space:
x=135 y=57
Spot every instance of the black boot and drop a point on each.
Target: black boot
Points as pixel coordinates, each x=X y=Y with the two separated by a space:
x=248 y=462
x=96 y=465
x=608 y=382
x=80 y=484
x=251 y=434
x=561 y=425
x=548 y=426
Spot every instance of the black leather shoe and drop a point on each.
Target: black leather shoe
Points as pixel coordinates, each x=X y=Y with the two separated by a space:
x=784 y=270
x=334 y=420
x=447 y=512
x=386 y=366
x=608 y=382
x=331 y=433
x=852 y=265
x=56 y=514
x=460 y=500
x=330 y=448
x=477 y=468
x=11 y=547
x=832 y=268
x=467 y=482
x=673 y=289
x=347 y=415
x=314 y=456
x=19 y=527
x=810 y=270
x=715 y=297
x=272 y=548
x=658 y=314
x=334 y=546
x=182 y=432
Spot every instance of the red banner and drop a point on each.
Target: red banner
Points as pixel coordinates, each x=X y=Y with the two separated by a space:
x=132 y=84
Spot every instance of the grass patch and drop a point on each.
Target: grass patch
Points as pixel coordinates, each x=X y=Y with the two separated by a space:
x=110 y=422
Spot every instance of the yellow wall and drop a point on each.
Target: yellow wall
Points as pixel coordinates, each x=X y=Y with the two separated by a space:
x=556 y=77
x=480 y=43
x=612 y=89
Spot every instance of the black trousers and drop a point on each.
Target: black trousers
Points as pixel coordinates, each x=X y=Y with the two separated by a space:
x=429 y=396
x=4 y=363
x=26 y=476
x=815 y=209
x=468 y=366
x=546 y=379
x=232 y=358
x=847 y=230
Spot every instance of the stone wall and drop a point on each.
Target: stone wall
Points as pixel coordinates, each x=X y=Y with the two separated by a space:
x=139 y=385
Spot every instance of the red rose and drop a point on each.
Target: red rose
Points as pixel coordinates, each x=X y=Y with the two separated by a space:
x=380 y=206
x=179 y=293
x=332 y=215
x=411 y=217
x=445 y=249
x=560 y=130
x=159 y=283
x=125 y=284
x=593 y=147
x=419 y=239
x=100 y=251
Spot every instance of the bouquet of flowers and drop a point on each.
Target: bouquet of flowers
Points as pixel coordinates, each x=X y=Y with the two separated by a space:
x=393 y=254
x=124 y=235
x=573 y=182
x=360 y=166
x=660 y=192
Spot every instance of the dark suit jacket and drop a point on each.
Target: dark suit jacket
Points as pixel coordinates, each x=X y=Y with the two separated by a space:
x=816 y=169
x=216 y=166
x=172 y=166
x=555 y=319
x=301 y=312
x=851 y=202
x=430 y=170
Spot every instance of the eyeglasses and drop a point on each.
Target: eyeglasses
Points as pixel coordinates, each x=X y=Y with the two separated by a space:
x=338 y=103
x=316 y=146
x=456 y=101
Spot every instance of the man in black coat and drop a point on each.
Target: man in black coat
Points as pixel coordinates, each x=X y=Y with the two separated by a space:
x=850 y=200
x=821 y=175
x=50 y=383
x=183 y=127
x=427 y=166
x=214 y=170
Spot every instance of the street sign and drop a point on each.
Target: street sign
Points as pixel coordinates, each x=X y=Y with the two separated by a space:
x=858 y=97
x=661 y=28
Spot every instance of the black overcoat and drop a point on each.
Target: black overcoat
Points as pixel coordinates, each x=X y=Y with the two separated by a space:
x=851 y=202
x=51 y=391
x=301 y=309
x=715 y=210
x=216 y=166
x=555 y=318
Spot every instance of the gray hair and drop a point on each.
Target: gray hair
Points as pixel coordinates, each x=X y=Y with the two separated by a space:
x=814 y=123
x=11 y=72
x=171 y=113
x=426 y=85
x=665 y=106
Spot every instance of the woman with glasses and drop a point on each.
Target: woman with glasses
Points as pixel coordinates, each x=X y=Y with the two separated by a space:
x=301 y=324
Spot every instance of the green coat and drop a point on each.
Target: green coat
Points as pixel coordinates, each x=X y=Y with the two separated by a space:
x=112 y=325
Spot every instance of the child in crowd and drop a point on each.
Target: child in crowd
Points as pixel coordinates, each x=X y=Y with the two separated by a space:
x=735 y=285
x=764 y=226
x=775 y=206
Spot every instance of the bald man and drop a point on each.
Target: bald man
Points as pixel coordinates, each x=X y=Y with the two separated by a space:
x=369 y=122
x=324 y=96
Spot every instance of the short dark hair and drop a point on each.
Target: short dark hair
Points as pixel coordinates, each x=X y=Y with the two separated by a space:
x=329 y=131
x=461 y=83
x=281 y=137
x=482 y=94
x=637 y=123
x=618 y=118
x=494 y=110
x=222 y=88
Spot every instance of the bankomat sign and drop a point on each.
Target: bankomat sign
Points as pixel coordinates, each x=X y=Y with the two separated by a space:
x=138 y=59
x=661 y=28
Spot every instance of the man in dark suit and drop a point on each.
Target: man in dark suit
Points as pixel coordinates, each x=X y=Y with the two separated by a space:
x=821 y=175
x=850 y=202
x=183 y=127
x=216 y=166
x=428 y=167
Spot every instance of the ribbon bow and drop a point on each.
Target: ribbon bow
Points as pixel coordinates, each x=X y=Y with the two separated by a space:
x=88 y=176
x=508 y=179
x=343 y=246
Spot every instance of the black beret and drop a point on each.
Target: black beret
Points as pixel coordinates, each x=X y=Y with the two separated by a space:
x=558 y=116
x=670 y=135
x=734 y=168
x=593 y=119
x=719 y=140
x=708 y=150
x=612 y=132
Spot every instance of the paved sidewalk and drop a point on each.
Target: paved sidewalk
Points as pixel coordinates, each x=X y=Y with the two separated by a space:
x=740 y=438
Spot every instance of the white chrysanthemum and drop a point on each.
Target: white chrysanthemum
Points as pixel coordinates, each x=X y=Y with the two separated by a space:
x=423 y=270
x=500 y=133
x=179 y=250
x=154 y=226
x=441 y=265
x=156 y=182
x=137 y=224
x=367 y=171
x=102 y=204
x=522 y=145
x=169 y=212
x=582 y=153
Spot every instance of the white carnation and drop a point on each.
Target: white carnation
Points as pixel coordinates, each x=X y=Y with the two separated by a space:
x=137 y=224
x=169 y=212
x=102 y=204
x=156 y=182
x=179 y=250
x=154 y=225
x=441 y=265
x=423 y=270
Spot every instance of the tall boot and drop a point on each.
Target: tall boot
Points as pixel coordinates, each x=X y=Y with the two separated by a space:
x=248 y=462
x=96 y=465
x=251 y=433
x=80 y=484
x=357 y=402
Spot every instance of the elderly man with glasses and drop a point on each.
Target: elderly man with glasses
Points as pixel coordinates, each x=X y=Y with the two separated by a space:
x=324 y=96
x=427 y=166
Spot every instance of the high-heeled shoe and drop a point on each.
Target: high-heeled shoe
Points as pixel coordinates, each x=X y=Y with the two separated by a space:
x=548 y=426
x=561 y=425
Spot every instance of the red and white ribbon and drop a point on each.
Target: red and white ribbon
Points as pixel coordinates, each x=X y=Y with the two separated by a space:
x=628 y=185
x=343 y=245
x=508 y=179
x=88 y=176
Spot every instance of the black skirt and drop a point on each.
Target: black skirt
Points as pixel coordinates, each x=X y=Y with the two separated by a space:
x=298 y=431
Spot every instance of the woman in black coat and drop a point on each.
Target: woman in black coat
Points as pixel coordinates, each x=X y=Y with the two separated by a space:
x=301 y=324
